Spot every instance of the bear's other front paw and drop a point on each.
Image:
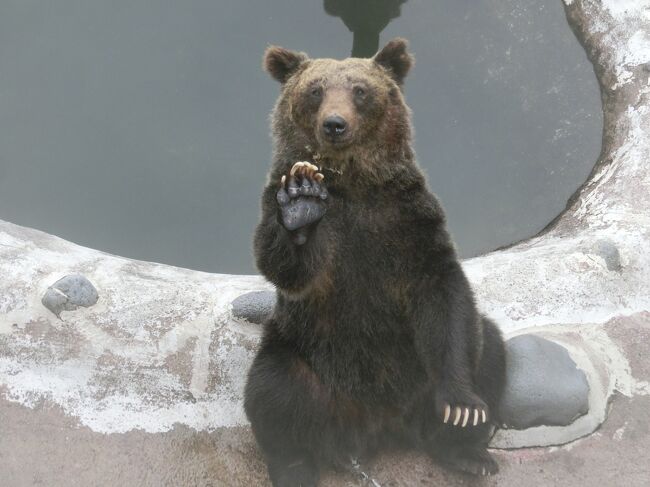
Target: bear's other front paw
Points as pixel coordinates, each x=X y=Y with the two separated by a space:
x=461 y=408
x=302 y=196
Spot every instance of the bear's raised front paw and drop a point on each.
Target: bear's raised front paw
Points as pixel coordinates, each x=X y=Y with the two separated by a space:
x=461 y=408
x=302 y=196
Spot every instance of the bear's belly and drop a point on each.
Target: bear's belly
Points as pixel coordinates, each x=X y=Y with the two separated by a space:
x=349 y=427
x=361 y=385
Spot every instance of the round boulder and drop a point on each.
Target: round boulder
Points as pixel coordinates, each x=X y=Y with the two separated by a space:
x=254 y=307
x=543 y=385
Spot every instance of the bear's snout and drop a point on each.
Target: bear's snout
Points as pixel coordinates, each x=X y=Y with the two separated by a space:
x=336 y=121
x=334 y=127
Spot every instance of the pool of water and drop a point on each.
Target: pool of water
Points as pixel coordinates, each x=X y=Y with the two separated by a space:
x=141 y=127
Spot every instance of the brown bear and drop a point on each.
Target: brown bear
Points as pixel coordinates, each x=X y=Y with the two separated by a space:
x=375 y=339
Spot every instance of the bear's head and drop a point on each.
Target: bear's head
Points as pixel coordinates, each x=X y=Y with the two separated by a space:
x=341 y=110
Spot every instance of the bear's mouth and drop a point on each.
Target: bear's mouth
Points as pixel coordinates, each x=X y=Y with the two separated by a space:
x=335 y=142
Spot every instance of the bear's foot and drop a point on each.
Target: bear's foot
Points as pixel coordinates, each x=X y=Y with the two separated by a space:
x=300 y=473
x=461 y=408
x=475 y=460
x=302 y=198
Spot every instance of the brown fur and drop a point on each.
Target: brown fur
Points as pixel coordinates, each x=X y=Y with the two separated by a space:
x=379 y=135
x=375 y=329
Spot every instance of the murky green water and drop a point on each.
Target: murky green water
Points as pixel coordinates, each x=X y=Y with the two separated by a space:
x=140 y=127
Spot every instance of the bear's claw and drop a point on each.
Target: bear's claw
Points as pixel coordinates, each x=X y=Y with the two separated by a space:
x=305 y=169
x=465 y=415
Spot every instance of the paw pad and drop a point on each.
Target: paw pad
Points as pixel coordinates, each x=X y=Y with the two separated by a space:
x=301 y=197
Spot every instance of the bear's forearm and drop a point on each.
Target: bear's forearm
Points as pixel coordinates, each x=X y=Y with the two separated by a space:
x=285 y=263
x=446 y=314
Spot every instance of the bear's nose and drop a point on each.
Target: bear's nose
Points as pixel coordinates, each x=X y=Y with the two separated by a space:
x=334 y=126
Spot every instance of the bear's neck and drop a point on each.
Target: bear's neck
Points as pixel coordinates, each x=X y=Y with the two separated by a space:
x=360 y=165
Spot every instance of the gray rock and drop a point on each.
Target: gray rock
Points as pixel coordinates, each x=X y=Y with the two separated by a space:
x=254 y=307
x=68 y=293
x=543 y=385
x=607 y=249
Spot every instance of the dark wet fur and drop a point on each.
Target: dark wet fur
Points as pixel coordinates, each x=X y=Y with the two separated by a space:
x=375 y=326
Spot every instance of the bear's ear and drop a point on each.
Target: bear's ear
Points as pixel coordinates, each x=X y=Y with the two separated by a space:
x=394 y=58
x=281 y=63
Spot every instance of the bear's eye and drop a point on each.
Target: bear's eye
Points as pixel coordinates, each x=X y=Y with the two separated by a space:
x=359 y=91
x=316 y=92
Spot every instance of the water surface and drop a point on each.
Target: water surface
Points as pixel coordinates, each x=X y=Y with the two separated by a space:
x=141 y=127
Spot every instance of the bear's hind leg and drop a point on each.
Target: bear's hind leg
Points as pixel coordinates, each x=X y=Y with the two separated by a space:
x=277 y=404
x=472 y=459
x=301 y=473
x=463 y=449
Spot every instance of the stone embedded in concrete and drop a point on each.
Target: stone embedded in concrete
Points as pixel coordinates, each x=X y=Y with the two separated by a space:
x=608 y=250
x=69 y=293
x=254 y=307
x=543 y=385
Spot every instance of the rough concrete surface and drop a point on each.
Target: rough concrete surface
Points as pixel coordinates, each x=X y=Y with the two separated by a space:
x=44 y=446
x=145 y=386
